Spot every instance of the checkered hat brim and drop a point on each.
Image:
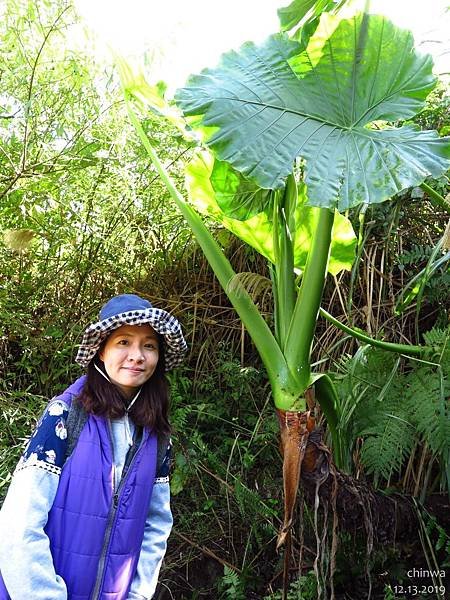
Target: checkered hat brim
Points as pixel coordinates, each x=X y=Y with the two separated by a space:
x=161 y=321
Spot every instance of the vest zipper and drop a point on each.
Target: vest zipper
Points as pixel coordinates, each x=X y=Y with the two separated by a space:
x=112 y=513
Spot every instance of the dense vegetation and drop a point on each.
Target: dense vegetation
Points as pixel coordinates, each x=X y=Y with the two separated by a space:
x=84 y=216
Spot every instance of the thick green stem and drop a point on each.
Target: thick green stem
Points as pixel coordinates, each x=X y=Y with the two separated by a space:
x=436 y=198
x=284 y=231
x=362 y=337
x=258 y=329
x=276 y=312
x=303 y=323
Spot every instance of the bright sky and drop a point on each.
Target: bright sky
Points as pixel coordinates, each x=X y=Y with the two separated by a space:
x=183 y=36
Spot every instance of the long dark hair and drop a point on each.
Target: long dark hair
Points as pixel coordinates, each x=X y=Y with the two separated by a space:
x=100 y=397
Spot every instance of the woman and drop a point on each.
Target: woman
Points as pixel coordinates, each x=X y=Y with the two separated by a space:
x=87 y=515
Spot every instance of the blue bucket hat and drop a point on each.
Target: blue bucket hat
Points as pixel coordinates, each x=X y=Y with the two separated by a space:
x=129 y=309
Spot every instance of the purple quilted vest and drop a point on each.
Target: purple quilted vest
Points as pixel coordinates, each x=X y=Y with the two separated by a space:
x=96 y=534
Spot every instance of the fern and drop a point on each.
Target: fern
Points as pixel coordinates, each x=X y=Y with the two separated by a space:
x=418 y=254
x=303 y=588
x=257 y=286
x=439 y=339
x=370 y=399
x=231 y=587
x=428 y=398
x=180 y=417
x=250 y=502
x=392 y=402
x=389 y=441
x=428 y=407
x=364 y=378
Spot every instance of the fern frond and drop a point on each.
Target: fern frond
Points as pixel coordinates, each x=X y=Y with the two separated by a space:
x=388 y=442
x=429 y=407
x=257 y=286
x=245 y=498
x=231 y=585
x=391 y=404
x=180 y=417
x=440 y=338
x=372 y=407
x=418 y=254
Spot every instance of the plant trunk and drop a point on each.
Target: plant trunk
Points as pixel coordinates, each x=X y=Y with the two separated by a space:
x=294 y=431
x=295 y=428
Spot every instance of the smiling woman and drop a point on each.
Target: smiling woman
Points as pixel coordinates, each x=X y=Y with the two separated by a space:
x=98 y=464
x=130 y=356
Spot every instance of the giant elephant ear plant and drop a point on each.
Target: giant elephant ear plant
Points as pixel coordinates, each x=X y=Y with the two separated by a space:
x=296 y=131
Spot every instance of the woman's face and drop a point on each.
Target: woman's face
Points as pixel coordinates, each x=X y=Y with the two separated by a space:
x=130 y=356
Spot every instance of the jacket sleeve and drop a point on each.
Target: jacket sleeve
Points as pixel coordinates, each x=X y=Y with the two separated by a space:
x=157 y=529
x=26 y=563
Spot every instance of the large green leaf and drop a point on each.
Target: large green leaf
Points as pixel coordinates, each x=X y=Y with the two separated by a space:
x=264 y=106
x=297 y=10
x=238 y=197
x=257 y=230
x=292 y=14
